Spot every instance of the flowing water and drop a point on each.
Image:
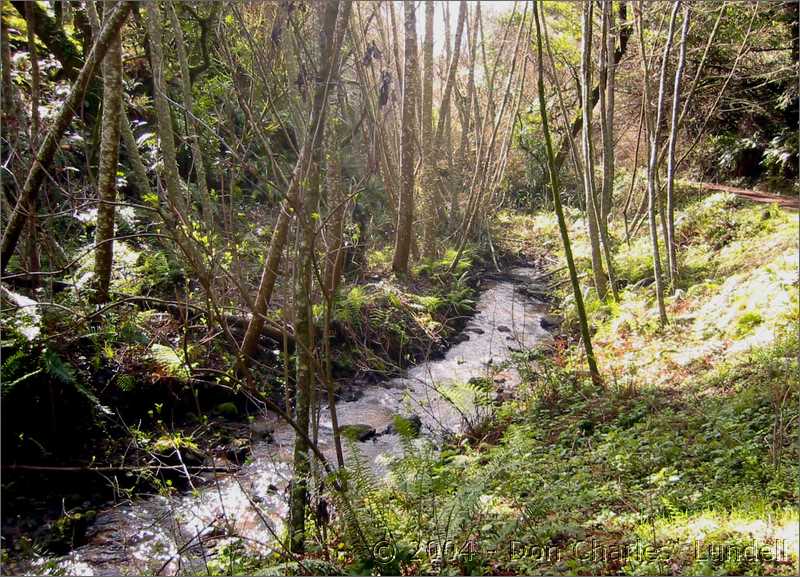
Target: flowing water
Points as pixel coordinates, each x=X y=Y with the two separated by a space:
x=174 y=535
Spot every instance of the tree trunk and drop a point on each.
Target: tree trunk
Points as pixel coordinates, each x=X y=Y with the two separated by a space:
x=107 y=171
x=33 y=236
x=192 y=125
x=330 y=41
x=48 y=147
x=176 y=194
x=272 y=263
x=467 y=120
x=428 y=155
x=673 y=133
x=334 y=262
x=654 y=125
x=139 y=171
x=555 y=187
x=577 y=123
x=405 y=219
x=600 y=279
x=607 y=72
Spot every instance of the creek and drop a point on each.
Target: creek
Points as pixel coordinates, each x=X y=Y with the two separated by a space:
x=171 y=535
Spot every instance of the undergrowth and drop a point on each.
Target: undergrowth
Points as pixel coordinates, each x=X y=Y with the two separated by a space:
x=685 y=462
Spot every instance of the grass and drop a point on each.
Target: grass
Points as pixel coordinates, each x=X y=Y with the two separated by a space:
x=684 y=463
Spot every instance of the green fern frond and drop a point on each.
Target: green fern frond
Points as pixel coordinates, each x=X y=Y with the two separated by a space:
x=126 y=383
x=56 y=368
x=309 y=564
x=169 y=360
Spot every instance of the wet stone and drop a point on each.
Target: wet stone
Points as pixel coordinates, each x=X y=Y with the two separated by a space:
x=551 y=322
x=237 y=450
x=261 y=430
x=459 y=338
x=349 y=395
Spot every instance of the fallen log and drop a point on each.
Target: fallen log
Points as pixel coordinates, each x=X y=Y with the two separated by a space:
x=792 y=202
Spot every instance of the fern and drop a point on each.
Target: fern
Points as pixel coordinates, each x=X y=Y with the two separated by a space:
x=126 y=383
x=308 y=566
x=169 y=360
x=379 y=317
x=7 y=387
x=430 y=303
x=350 y=308
x=364 y=518
x=56 y=368
x=65 y=373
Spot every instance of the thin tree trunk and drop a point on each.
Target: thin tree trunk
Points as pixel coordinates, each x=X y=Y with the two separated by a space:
x=577 y=123
x=192 y=127
x=633 y=175
x=608 y=69
x=330 y=40
x=451 y=74
x=608 y=66
x=652 y=188
x=176 y=211
x=140 y=180
x=175 y=190
x=333 y=272
x=467 y=118
x=279 y=235
x=48 y=147
x=33 y=237
x=485 y=155
x=676 y=96
x=402 y=246
x=600 y=279
x=555 y=187
x=107 y=170
x=428 y=156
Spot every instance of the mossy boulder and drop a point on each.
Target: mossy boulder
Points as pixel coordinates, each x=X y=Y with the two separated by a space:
x=227 y=409
x=357 y=432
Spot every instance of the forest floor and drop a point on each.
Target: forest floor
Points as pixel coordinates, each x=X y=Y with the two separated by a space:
x=684 y=462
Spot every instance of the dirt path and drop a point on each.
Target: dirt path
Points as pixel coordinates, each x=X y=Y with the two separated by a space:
x=789 y=202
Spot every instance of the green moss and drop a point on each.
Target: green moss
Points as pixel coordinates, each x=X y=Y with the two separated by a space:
x=357 y=432
x=227 y=409
x=747 y=322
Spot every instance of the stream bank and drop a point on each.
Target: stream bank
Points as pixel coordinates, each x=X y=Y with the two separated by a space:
x=171 y=534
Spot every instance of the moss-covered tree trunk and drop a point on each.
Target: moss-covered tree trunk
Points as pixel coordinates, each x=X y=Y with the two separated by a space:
x=107 y=171
x=555 y=188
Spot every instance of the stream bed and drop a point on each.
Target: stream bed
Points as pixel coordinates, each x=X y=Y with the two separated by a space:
x=177 y=534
